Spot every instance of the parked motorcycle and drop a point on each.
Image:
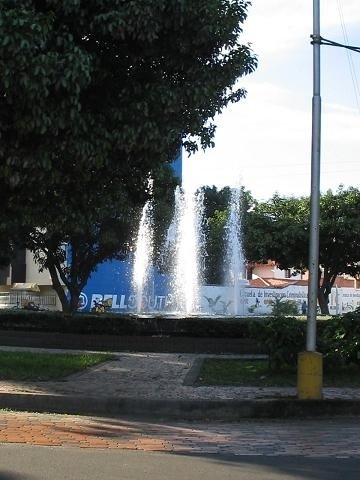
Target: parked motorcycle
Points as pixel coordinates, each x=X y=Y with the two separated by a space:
x=102 y=306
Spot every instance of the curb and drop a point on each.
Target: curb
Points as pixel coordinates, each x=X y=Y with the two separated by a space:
x=128 y=343
x=219 y=410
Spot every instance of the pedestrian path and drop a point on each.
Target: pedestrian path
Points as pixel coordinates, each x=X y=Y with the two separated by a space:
x=161 y=385
x=337 y=438
x=152 y=376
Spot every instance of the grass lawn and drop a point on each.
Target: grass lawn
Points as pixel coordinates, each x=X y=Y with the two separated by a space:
x=45 y=366
x=256 y=373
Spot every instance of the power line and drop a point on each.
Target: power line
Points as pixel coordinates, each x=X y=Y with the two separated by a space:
x=318 y=39
x=350 y=60
x=331 y=43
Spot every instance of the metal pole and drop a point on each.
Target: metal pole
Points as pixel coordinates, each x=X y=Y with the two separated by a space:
x=315 y=186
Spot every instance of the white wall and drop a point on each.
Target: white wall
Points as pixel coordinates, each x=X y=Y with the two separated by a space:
x=32 y=272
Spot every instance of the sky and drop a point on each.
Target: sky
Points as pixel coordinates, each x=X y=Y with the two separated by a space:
x=264 y=141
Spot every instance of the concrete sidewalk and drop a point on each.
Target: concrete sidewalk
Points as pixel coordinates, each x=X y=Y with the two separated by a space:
x=161 y=385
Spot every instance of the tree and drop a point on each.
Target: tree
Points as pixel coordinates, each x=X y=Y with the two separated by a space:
x=215 y=247
x=339 y=251
x=104 y=231
x=94 y=97
x=215 y=200
x=216 y=214
x=279 y=230
x=113 y=83
x=91 y=224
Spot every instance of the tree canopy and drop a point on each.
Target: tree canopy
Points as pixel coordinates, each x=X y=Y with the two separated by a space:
x=113 y=84
x=279 y=230
x=97 y=95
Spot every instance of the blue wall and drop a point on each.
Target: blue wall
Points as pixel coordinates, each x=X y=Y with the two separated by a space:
x=177 y=165
x=113 y=280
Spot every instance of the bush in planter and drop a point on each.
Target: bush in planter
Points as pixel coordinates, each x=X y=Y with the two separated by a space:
x=339 y=339
x=122 y=324
x=283 y=307
x=282 y=337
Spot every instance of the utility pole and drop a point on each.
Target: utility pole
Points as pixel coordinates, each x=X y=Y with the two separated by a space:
x=310 y=362
x=310 y=370
x=315 y=185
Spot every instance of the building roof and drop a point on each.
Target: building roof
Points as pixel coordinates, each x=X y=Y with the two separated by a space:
x=276 y=282
x=344 y=282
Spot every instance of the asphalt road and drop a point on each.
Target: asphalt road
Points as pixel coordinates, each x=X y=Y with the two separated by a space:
x=64 y=447
x=25 y=462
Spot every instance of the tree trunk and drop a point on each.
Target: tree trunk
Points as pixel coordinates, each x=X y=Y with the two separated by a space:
x=70 y=302
x=323 y=300
x=324 y=291
x=74 y=298
x=59 y=288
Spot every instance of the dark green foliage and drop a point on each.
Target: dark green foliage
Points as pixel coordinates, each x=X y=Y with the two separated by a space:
x=282 y=338
x=339 y=251
x=216 y=203
x=117 y=324
x=340 y=339
x=95 y=97
x=215 y=247
x=279 y=230
x=282 y=307
x=216 y=212
x=164 y=203
x=113 y=85
x=215 y=200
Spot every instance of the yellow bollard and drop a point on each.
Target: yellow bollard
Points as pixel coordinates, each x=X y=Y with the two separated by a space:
x=310 y=376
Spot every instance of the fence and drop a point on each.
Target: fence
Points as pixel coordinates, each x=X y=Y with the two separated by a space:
x=17 y=299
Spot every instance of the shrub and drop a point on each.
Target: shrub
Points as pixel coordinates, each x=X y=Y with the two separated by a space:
x=283 y=307
x=282 y=337
x=339 y=339
x=122 y=324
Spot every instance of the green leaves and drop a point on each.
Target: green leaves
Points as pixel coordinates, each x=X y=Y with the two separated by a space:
x=340 y=339
x=283 y=337
x=96 y=96
x=279 y=230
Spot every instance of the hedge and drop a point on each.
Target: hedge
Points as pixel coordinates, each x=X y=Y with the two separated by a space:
x=118 y=324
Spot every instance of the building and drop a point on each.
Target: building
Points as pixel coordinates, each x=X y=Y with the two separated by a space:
x=22 y=282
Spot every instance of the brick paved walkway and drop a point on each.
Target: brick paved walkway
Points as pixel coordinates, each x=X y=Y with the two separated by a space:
x=312 y=438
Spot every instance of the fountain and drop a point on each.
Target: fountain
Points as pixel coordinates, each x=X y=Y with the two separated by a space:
x=228 y=299
x=235 y=254
x=184 y=239
x=184 y=246
x=143 y=258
